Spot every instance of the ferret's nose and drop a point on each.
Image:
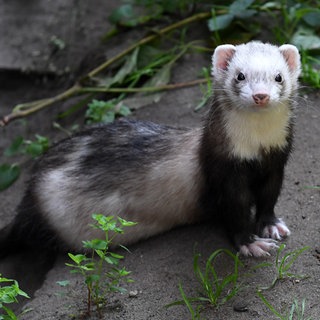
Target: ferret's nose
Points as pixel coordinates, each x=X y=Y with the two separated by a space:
x=261 y=98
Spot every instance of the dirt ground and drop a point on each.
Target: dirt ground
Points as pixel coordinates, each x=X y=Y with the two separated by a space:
x=159 y=264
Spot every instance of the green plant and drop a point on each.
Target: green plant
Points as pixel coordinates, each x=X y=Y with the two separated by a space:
x=195 y=312
x=216 y=289
x=105 y=111
x=295 y=311
x=283 y=264
x=101 y=272
x=9 y=173
x=291 y=17
x=28 y=147
x=237 y=9
x=9 y=294
x=310 y=69
x=206 y=89
x=133 y=13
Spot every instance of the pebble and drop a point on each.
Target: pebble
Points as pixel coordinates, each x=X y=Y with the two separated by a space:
x=240 y=307
x=133 y=294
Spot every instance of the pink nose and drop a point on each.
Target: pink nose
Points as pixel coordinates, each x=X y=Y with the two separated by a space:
x=261 y=98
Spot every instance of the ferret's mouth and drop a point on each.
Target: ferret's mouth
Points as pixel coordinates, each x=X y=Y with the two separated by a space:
x=260 y=107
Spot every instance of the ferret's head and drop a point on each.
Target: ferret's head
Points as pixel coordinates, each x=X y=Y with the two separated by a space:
x=256 y=75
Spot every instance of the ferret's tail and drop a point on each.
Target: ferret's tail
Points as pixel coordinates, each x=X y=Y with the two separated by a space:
x=8 y=244
x=29 y=230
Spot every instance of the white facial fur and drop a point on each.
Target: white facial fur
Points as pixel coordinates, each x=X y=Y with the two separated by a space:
x=260 y=64
x=252 y=124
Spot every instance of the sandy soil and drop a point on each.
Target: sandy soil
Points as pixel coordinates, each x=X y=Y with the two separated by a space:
x=160 y=263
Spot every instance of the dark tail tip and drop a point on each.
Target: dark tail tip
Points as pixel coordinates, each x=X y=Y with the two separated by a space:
x=8 y=244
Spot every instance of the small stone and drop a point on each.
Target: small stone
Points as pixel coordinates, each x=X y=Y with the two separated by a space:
x=133 y=294
x=240 y=307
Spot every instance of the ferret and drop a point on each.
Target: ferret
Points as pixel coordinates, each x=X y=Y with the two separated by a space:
x=230 y=169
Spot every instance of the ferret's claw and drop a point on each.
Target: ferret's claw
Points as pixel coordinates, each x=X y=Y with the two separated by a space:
x=277 y=231
x=259 y=248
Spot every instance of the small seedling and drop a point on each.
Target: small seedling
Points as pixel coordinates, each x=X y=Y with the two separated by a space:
x=9 y=294
x=295 y=312
x=9 y=173
x=216 y=289
x=33 y=148
x=105 y=111
x=195 y=312
x=101 y=272
x=283 y=265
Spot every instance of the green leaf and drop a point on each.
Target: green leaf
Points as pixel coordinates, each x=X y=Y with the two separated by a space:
x=131 y=16
x=239 y=6
x=220 y=22
x=123 y=272
x=149 y=54
x=100 y=111
x=37 y=147
x=100 y=253
x=105 y=111
x=126 y=223
x=22 y=293
x=111 y=260
x=78 y=258
x=123 y=15
x=15 y=147
x=161 y=77
x=124 y=111
x=34 y=149
x=246 y=14
x=92 y=278
x=186 y=301
x=117 y=256
x=63 y=283
x=9 y=173
x=88 y=266
x=306 y=39
x=313 y=18
x=10 y=313
x=108 y=117
x=96 y=244
x=129 y=66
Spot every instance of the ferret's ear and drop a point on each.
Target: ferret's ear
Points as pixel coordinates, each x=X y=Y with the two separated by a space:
x=221 y=57
x=292 y=56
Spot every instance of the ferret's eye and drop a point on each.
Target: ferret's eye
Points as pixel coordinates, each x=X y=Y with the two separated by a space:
x=241 y=77
x=278 y=78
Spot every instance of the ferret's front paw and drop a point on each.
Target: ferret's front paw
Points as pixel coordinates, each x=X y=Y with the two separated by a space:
x=276 y=231
x=260 y=247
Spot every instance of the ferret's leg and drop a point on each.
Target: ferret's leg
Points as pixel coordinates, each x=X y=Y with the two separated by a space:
x=239 y=228
x=236 y=218
x=267 y=224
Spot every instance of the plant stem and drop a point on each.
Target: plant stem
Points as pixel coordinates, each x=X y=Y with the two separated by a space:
x=177 y=25
x=25 y=109
x=89 y=300
x=143 y=89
